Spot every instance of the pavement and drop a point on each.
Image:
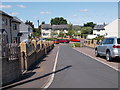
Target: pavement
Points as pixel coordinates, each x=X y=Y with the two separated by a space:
x=38 y=75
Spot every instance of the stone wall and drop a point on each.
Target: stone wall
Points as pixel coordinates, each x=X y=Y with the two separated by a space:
x=10 y=70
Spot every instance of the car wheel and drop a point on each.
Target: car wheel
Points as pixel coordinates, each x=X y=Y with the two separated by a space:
x=108 y=56
x=96 y=53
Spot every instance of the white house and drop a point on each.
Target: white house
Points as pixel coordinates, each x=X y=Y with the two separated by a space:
x=25 y=31
x=99 y=30
x=46 y=30
x=113 y=29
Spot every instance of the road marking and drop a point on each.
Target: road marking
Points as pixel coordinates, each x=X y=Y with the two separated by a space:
x=50 y=80
x=98 y=60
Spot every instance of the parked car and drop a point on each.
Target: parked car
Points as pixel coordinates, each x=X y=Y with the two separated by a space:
x=74 y=40
x=109 y=47
x=56 y=41
x=64 y=41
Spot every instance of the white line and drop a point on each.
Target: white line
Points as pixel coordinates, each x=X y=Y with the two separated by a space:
x=98 y=60
x=50 y=80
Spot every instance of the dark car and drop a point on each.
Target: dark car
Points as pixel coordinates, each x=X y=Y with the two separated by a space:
x=74 y=40
x=64 y=41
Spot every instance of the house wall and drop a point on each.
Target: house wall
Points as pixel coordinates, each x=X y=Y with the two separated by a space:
x=6 y=27
x=119 y=28
x=15 y=32
x=112 y=29
x=24 y=30
x=46 y=31
x=101 y=32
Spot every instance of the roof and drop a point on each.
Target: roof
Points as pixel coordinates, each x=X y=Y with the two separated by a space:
x=46 y=26
x=3 y=30
x=59 y=27
x=15 y=19
x=76 y=26
x=5 y=14
x=99 y=27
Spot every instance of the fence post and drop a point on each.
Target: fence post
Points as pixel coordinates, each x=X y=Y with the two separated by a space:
x=23 y=51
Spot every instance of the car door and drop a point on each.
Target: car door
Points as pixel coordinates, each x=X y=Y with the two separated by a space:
x=102 y=47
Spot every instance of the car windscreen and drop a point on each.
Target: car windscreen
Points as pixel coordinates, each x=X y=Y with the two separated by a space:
x=118 y=40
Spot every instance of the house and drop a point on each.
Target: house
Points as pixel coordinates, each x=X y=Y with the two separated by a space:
x=25 y=31
x=6 y=24
x=99 y=30
x=15 y=30
x=113 y=29
x=46 y=30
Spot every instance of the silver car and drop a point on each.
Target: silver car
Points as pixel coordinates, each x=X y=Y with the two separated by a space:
x=109 y=47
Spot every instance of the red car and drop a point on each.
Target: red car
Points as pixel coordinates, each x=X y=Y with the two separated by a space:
x=64 y=41
x=56 y=41
x=74 y=40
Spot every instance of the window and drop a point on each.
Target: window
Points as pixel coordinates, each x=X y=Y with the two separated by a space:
x=14 y=26
x=45 y=34
x=108 y=41
x=118 y=40
x=4 y=21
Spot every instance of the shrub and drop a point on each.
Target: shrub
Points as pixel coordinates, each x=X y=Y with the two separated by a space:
x=75 y=45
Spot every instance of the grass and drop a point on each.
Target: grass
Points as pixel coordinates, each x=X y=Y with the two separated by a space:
x=75 y=45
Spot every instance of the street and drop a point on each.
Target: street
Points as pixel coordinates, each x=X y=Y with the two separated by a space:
x=75 y=70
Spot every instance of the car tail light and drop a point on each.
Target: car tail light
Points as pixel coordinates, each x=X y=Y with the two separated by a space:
x=115 y=46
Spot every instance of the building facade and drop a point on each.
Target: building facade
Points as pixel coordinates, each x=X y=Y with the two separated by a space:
x=113 y=29
x=99 y=30
x=6 y=24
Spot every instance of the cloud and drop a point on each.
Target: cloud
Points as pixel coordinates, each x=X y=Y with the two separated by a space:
x=21 y=6
x=13 y=13
x=84 y=10
x=5 y=6
x=43 y=12
x=75 y=15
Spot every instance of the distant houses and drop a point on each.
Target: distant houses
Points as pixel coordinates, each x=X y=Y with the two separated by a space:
x=17 y=31
x=99 y=30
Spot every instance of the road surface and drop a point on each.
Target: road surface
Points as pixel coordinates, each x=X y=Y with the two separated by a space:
x=76 y=70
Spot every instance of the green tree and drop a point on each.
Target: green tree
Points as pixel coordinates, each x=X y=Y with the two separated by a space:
x=61 y=34
x=29 y=23
x=58 y=21
x=71 y=31
x=89 y=24
x=86 y=30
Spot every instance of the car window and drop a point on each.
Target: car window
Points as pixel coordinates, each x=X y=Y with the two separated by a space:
x=118 y=40
x=104 y=41
x=110 y=41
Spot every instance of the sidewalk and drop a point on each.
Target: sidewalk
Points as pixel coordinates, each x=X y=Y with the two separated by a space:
x=91 y=53
x=38 y=75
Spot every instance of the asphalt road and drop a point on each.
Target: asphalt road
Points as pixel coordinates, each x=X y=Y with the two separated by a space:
x=75 y=70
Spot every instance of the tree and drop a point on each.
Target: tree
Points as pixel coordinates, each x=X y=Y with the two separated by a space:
x=86 y=30
x=71 y=32
x=89 y=24
x=58 y=21
x=43 y=22
x=61 y=34
x=29 y=23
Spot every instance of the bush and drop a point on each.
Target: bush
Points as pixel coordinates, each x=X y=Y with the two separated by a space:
x=75 y=45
